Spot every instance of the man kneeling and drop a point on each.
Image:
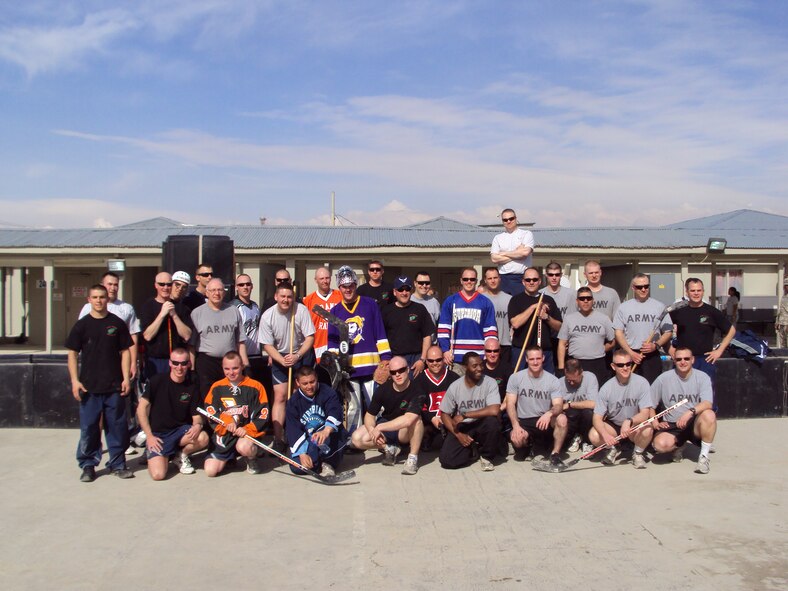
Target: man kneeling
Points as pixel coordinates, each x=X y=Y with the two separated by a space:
x=469 y=411
x=168 y=416
x=401 y=400
x=242 y=405
x=313 y=424
x=699 y=423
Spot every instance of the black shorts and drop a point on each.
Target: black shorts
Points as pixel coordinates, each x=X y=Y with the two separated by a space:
x=535 y=434
x=682 y=435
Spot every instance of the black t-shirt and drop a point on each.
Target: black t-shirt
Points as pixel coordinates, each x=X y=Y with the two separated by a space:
x=382 y=294
x=434 y=392
x=406 y=327
x=695 y=327
x=101 y=341
x=171 y=404
x=395 y=404
x=521 y=302
x=501 y=374
x=167 y=338
x=194 y=299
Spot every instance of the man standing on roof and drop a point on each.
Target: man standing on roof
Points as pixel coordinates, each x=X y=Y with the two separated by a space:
x=511 y=251
x=467 y=320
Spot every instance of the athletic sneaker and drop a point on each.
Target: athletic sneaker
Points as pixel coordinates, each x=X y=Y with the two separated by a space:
x=410 y=467
x=575 y=445
x=556 y=461
x=327 y=470
x=678 y=454
x=88 y=474
x=587 y=447
x=610 y=457
x=252 y=467
x=487 y=465
x=703 y=465
x=390 y=455
x=139 y=439
x=123 y=473
x=131 y=451
x=638 y=461
x=186 y=464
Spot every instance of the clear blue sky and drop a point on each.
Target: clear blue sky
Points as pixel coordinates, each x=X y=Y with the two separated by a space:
x=574 y=113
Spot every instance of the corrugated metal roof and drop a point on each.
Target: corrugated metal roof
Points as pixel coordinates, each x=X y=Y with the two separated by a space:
x=766 y=231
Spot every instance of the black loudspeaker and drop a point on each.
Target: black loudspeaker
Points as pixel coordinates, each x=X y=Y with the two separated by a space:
x=182 y=253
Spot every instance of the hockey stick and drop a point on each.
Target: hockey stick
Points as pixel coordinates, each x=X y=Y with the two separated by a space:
x=543 y=466
x=341 y=477
x=292 y=336
x=672 y=308
x=528 y=334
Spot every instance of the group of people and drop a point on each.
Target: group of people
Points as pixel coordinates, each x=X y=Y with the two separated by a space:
x=545 y=369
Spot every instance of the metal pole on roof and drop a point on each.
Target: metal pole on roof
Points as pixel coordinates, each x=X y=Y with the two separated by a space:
x=333 y=208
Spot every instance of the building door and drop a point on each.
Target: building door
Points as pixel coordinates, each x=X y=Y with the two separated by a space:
x=663 y=287
x=75 y=295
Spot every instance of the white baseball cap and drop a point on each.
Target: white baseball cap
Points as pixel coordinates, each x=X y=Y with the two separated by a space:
x=182 y=276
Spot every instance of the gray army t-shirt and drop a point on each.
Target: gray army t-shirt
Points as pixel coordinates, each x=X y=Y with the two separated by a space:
x=638 y=319
x=669 y=389
x=620 y=402
x=586 y=335
x=534 y=395
x=217 y=331
x=564 y=298
x=275 y=328
x=587 y=390
x=459 y=398
x=501 y=304
x=606 y=301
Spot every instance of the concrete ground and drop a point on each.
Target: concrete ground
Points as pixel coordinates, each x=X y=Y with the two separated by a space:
x=593 y=527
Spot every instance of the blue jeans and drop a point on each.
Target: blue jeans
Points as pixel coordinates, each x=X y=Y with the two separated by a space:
x=113 y=407
x=330 y=452
x=512 y=283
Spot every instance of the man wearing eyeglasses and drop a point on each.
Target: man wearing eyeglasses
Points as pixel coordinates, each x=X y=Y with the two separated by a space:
x=563 y=297
x=165 y=325
x=168 y=416
x=434 y=382
x=398 y=402
x=623 y=402
x=409 y=327
x=467 y=320
x=521 y=310
x=218 y=329
x=375 y=287
x=586 y=335
x=696 y=422
x=259 y=368
x=636 y=330
x=180 y=285
x=535 y=408
x=421 y=295
x=198 y=295
x=579 y=390
x=512 y=251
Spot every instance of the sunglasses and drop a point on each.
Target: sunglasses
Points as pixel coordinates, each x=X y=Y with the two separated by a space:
x=492 y=350
x=422 y=283
x=162 y=284
x=375 y=269
x=438 y=360
x=646 y=286
x=402 y=289
x=585 y=298
x=554 y=274
x=531 y=279
x=396 y=372
x=179 y=363
x=627 y=364
x=281 y=279
x=682 y=358
x=204 y=274
x=244 y=284
x=469 y=279
x=509 y=219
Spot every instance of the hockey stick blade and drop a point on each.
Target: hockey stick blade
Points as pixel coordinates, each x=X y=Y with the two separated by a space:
x=336 y=479
x=542 y=466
